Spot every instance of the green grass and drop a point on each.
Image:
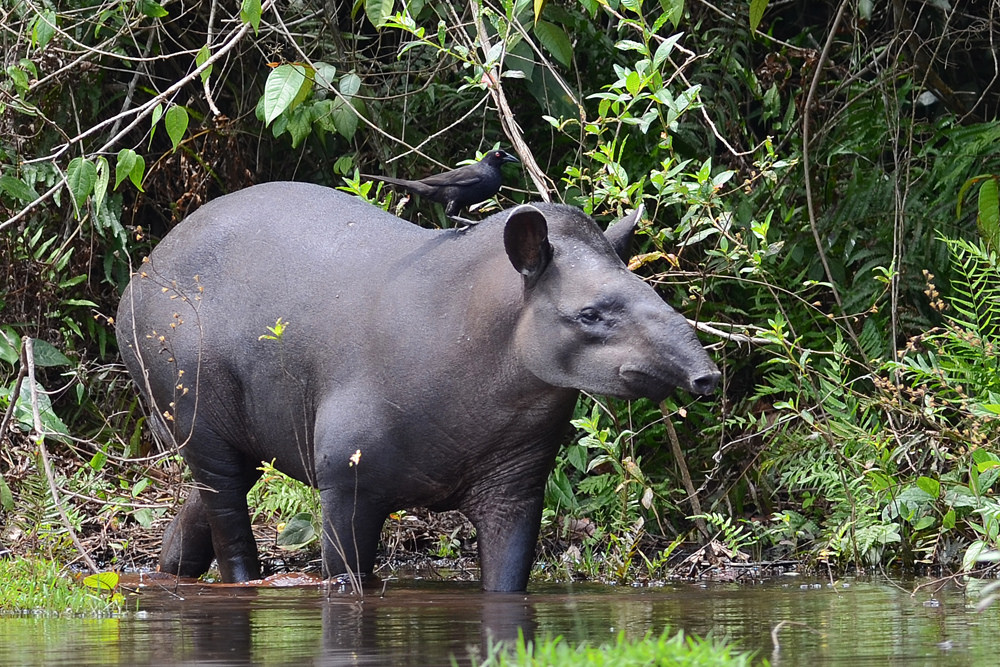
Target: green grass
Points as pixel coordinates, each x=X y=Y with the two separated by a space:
x=43 y=586
x=666 y=649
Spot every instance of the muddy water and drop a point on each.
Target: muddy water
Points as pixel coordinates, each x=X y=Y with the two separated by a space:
x=417 y=623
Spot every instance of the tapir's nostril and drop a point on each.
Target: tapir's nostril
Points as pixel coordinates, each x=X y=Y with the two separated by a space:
x=706 y=383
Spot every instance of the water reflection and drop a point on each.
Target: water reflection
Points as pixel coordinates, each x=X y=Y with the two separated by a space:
x=416 y=623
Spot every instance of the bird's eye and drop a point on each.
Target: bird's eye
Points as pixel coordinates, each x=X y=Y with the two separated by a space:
x=590 y=316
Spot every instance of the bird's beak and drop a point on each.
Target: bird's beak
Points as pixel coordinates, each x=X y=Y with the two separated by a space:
x=510 y=158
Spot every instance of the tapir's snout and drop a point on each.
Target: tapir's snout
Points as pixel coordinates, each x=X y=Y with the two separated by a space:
x=705 y=383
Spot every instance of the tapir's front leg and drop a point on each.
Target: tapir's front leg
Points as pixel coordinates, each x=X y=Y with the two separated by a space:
x=506 y=532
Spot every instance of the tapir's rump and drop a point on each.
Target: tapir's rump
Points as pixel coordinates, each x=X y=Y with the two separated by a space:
x=294 y=323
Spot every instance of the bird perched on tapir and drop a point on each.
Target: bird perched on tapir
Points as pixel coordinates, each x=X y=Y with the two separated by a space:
x=460 y=187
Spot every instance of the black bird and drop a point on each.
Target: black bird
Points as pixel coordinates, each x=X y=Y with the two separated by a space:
x=460 y=187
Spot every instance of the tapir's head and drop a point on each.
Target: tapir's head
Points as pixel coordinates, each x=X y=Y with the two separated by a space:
x=588 y=322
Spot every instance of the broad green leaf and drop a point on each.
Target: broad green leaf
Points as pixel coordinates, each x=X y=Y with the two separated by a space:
x=633 y=83
x=972 y=554
x=204 y=54
x=101 y=186
x=47 y=355
x=44 y=28
x=378 y=11
x=17 y=188
x=930 y=486
x=923 y=523
x=102 y=581
x=176 y=121
x=81 y=175
x=286 y=86
x=350 y=85
x=345 y=118
x=10 y=346
x=674 y=10
x=250 y=12
x=138 y=171
x=664 y=49
x=298 y=532
x=988 y=220
x=757 y=8
x=948 y=521
x=555 y=41
x=124 y=164
x=153 y=10
x=19 y=78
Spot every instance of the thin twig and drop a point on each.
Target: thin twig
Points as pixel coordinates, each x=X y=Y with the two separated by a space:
x=675 y=447
x=28 y=361
x=810 y=204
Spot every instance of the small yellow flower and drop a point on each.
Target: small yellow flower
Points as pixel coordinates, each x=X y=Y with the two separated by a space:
x=355 y=457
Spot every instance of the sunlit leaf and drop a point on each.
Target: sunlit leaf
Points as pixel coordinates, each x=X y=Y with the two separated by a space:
x=203 y=55
x=176 y=121
x=250 y=12
x=757 y=8
x=153 y=10
x=286 y=86
x=102 y=581
x=930 y=486
x=539 y=6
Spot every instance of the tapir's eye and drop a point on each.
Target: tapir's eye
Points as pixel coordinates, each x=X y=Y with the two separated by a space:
x=590 y=316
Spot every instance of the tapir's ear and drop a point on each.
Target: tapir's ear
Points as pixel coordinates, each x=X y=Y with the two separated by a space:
x=526 y=240
x=620 y=233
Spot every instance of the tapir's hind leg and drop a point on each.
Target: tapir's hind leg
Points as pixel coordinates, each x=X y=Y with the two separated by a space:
x=187 y=543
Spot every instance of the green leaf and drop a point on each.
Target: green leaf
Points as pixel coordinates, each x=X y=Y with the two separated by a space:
x=345 y=119
x=176 y=121
x=988 y=219
x=757 y=8
x=350 y=85
x=298 y=532
x=286 y=86
x=378 y=11
x=664 y=49
x=948 y=521
x=81 y=175
x=923 y=523
x=47 y=355
x=102 y=581
x=17 y=188
x=674 y=10
x=124 y=164
x=10 y=345
x=199 y=60
x=930 y=486
x=6 y=497
x=250 y=12
x=555 y=41
x=153 y=10
x=44 y=28
x=101 y=185
x=633 y=83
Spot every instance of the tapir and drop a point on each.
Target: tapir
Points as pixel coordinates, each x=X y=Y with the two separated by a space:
x=385 y=364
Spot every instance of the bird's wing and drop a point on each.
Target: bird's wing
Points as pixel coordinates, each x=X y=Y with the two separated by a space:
x=459 y=177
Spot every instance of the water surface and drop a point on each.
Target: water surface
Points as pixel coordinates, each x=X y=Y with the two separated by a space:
x=426 y=623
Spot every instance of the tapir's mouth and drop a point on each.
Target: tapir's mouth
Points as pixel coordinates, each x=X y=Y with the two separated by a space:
x=646 y=382
x=656 y=383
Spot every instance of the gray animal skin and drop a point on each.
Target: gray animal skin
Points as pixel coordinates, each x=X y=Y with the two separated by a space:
x=451 y=361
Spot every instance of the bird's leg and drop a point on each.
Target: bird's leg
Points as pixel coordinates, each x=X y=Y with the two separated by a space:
x=465 y=222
